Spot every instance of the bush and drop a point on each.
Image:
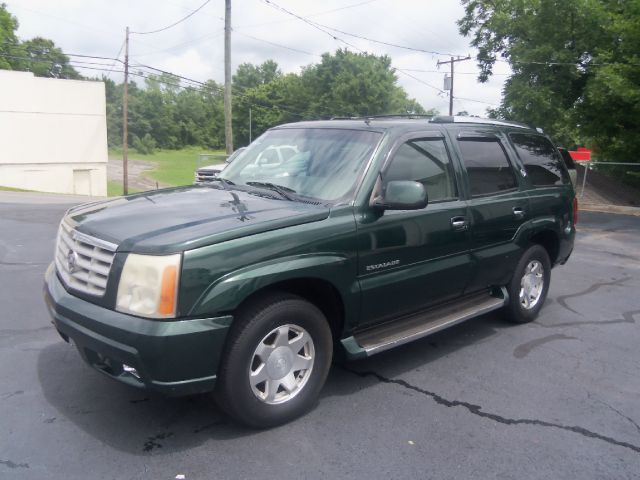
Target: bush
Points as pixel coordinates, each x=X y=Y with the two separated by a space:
x=145 y=145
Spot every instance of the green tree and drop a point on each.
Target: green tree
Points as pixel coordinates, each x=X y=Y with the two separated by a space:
x=575 y=66
x=113 y=96
x=250 y=76
x=348 y=84
x=44 y=59
x=9 y=44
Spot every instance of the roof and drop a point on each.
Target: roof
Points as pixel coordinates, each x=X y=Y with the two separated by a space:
x=402 y=122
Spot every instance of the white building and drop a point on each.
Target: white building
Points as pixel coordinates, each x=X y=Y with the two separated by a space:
x=53 y=134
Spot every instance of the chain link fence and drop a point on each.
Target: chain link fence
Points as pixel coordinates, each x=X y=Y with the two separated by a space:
x=608 y=184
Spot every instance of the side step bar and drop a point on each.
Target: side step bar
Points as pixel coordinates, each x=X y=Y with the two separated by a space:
x=404 y=330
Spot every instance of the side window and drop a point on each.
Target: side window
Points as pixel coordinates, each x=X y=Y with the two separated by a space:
x=488 y=167
x=541 y=160
x=425 y=161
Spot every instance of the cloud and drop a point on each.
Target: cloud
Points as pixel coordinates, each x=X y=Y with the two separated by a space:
x=194 y=48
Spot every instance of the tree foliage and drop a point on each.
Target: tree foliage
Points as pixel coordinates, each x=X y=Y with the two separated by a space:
x=342 y=84
x=38 y=55
x=8 y=38
x=576 y=66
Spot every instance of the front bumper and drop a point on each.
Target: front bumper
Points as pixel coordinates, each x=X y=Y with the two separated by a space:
x=176 y=357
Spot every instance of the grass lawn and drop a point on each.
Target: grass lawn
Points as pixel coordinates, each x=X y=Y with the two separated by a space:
x=11 y=189
x=114 y=189
x=174 y=167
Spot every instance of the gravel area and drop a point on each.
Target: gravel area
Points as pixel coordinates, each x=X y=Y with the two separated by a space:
x=136 y=168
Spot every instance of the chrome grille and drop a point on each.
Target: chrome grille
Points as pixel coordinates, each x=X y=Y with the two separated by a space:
x=82 y=261
x=205 y=176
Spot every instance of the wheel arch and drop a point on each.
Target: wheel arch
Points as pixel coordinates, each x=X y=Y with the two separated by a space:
x=326 y=281
x=549 y=240
x=544 y=232
x=319 y=292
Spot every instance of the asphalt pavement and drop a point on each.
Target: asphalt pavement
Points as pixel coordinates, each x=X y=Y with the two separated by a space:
x=557 y=398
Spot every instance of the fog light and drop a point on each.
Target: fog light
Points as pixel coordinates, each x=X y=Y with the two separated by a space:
x=131 y=371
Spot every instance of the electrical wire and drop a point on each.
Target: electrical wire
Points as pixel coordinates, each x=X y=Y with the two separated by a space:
x=175 y=23
x=317 y=14
x=275 y=44
x=320 y=27
x=182 y=44
x=113 y=65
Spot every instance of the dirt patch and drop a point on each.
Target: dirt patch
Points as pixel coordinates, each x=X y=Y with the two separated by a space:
x=136 y=169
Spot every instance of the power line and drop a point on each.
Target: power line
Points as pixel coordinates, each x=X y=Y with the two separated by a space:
x=113 y=65
x=477 y=101
x=320 y=27
x=317 y=14
x=182 y=44
x=389 y=44
x=417 y=70
x=570 y=64
x=276 y=44
x=174 y=23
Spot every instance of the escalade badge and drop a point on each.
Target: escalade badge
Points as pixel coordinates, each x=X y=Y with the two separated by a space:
x=392 y=263
x=72 y=261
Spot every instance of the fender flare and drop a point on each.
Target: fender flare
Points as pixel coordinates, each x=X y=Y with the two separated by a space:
x=230 y=290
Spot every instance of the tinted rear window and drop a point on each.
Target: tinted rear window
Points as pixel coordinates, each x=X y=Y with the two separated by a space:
x=541 y=160
x=488 y=168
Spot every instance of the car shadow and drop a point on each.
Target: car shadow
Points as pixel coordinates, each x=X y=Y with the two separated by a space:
x=138 y=422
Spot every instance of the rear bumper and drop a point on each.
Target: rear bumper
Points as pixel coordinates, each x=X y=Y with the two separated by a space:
x=177 y=357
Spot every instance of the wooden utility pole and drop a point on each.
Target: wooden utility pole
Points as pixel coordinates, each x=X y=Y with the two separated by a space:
x=452 y=61
x=228 y=133
x=125 y=115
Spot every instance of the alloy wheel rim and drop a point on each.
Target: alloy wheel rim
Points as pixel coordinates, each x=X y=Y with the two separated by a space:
x=531 y=285
x=281 y=364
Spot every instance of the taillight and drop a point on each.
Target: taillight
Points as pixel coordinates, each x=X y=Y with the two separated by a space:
x=575 y=211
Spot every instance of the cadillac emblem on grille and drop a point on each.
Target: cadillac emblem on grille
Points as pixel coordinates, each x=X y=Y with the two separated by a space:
x=72 y=261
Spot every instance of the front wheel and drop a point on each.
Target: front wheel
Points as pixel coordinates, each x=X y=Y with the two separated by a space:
x=529 y=286
x=276 y=361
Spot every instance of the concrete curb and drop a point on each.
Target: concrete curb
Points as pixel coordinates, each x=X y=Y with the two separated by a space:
x=617 y=209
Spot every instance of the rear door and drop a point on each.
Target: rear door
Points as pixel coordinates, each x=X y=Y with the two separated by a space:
x=498 y=204
x=551 y=193
x=412 y=259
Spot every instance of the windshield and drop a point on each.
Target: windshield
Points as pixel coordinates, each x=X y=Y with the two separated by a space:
x=321 y=163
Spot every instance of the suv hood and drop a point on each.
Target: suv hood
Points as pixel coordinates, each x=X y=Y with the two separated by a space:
x=177 y=219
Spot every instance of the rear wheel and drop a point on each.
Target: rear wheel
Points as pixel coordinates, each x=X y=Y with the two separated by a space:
x=276 y=361
x=529 y=286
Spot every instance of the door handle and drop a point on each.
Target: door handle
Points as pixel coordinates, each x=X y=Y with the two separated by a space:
x=518 y=212
x=459 y=223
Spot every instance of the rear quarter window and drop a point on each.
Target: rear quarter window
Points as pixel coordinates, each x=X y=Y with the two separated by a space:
x=541 y=160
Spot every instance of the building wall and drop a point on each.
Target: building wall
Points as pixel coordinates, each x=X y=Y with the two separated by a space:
x=53 y=134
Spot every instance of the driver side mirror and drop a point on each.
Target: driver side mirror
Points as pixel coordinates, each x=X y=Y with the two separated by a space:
x=402 y=195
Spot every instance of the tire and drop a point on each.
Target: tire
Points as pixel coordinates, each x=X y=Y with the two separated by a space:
x=258 y=384
x=529 y=286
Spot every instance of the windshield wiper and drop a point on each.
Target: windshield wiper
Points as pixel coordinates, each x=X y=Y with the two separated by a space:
x=283 y=191
x=225 y=183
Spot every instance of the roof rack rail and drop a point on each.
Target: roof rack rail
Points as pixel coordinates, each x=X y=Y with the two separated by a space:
x=386 y=115
x=485 y=121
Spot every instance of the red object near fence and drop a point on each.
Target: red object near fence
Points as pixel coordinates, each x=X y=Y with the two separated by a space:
x=581 y=155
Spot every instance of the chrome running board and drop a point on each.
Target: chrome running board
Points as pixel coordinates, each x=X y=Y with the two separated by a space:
x=397 y=332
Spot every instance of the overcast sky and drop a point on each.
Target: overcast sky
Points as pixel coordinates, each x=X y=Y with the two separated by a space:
x=195 y=48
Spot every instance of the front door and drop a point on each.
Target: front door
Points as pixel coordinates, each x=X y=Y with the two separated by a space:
x=410 y=260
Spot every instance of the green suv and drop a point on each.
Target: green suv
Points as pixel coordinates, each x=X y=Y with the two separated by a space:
x=376 y=232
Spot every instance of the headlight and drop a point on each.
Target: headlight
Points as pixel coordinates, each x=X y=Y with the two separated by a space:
x=149 y=285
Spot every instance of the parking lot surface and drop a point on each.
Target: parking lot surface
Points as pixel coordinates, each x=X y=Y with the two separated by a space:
x=557 y=398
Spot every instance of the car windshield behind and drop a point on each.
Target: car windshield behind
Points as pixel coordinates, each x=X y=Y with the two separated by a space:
x=321 y=163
